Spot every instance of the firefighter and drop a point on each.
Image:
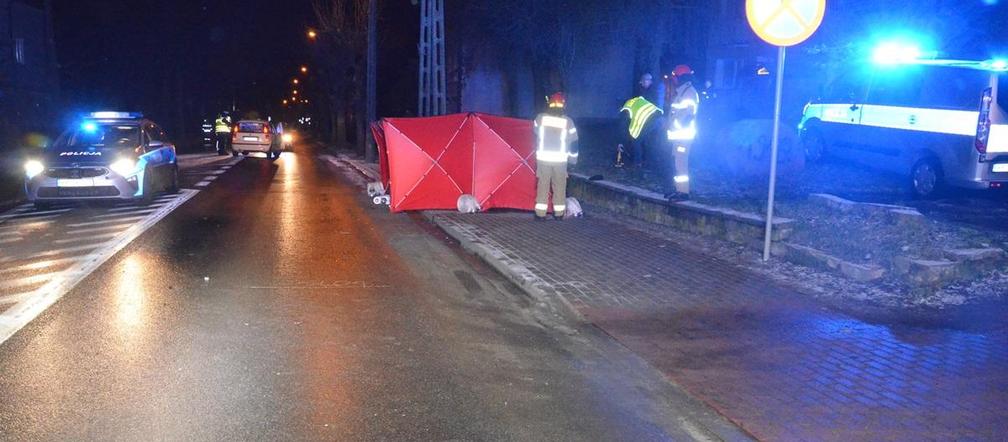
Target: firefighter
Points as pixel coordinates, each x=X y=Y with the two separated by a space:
x=642 y=122
x=222 y=133
x=555 y=136
x=681 y=131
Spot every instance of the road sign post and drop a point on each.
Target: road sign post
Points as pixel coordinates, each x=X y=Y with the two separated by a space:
x=781 y=23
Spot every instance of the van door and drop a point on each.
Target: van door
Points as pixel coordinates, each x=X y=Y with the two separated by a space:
x=889 y=118
x=840 y=114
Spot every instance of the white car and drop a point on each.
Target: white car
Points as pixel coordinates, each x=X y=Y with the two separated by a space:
x=254 y=136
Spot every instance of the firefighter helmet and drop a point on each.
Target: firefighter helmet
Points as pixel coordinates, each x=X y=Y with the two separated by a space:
x=557 y=100
x=682 y=70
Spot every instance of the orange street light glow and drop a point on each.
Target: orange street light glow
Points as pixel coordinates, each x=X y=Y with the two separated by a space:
x=296 y=81
x=304 y=69
x=312 y=34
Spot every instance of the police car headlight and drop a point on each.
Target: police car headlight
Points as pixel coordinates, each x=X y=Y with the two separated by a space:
x=288 y=138
x=124 y=167
x=33 y=168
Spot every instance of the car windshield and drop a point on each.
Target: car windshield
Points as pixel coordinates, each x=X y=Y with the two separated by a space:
x=101 y=136
x=250 y=126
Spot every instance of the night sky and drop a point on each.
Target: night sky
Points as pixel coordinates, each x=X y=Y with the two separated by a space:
x=132 y=54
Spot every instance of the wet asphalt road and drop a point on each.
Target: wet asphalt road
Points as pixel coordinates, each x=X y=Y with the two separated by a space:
x=277 y=304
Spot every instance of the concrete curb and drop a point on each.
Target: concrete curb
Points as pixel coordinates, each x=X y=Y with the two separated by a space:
x=690 y=216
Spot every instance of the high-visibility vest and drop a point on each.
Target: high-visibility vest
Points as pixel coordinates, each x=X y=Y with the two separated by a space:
x=554 y=135
x=684 y=106
x=221 y=126
x=640 y=111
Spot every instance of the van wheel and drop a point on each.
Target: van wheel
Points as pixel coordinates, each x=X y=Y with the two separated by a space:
x=926 y=179
x=813 y=145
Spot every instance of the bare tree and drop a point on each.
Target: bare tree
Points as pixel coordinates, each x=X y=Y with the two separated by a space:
x=341 y=45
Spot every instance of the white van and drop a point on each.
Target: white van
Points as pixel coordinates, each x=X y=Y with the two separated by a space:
x=939 y=122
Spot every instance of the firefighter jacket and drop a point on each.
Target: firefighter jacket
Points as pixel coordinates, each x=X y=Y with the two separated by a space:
x=640 y=111
x=555 y=135
x=682 y=125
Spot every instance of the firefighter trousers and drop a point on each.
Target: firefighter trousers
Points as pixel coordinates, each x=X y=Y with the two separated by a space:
x=679 y=177
x=551 y=176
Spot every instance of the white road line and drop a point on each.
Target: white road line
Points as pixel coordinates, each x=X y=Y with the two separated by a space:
x=113 y=215
x=225 y=167
x=25 y=311
x=203 y=184
x=38 y=265
x=99 y=229
x=10 y=299
x=218 y=172
x=10 y=240
x=9 y=233
x=211 y=177
x=84 y=238
x=106 y=222
x=28 y=280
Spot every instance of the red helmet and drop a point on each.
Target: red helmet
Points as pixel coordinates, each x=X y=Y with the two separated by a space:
x=681 y=70
x=557 y=100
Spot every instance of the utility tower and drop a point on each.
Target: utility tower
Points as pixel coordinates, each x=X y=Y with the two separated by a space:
x=432 y=99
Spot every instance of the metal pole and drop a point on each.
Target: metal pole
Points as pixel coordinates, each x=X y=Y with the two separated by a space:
x=773 y=153
x=370 y=153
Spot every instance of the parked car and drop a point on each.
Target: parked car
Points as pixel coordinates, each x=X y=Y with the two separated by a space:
x=254 y=136
x=940 y=123
x=107 y=155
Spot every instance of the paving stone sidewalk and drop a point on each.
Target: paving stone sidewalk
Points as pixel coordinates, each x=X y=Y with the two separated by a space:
x=774 y=361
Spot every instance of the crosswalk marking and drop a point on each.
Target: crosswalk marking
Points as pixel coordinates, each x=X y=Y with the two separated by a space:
x=99 y=229
x=28 y=280
x=203 y=183
x=133 y=207
x=106 y=222
x=10 y=240
x=57 y=252
x=18 y=297
x=84 y=238
x=137 y=212
x=39 y=265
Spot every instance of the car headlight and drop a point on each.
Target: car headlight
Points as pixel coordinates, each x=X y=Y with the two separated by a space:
x=288 y=138
x=33 y=168
x=124 y=167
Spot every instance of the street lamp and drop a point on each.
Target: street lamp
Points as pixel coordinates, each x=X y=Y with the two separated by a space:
x=295 y=91
x=296 y=81
x=312 y=34
x=304 y=69
x=285 y=102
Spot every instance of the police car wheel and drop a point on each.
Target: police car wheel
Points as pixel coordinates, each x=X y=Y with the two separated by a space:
x=173 y=185
x=234 y=153
x=926 y=178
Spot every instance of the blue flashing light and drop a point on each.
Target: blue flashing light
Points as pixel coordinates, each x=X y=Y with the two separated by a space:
x=896 y=53
x=89 y=127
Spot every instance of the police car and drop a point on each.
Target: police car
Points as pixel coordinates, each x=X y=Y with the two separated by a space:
x=105 y=156
x=938 y=122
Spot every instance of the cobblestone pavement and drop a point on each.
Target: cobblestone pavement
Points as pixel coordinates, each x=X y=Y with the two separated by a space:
x=774 y=361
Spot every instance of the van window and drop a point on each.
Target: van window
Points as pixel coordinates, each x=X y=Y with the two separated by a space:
x=896 y=87
x=1002 y=97
x=950 y=88
x=846 y=89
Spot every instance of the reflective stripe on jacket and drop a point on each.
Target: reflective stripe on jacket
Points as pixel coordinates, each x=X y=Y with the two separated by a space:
x=554 y=138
